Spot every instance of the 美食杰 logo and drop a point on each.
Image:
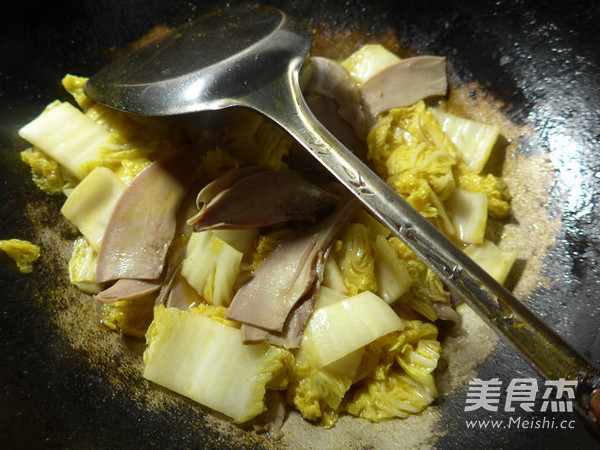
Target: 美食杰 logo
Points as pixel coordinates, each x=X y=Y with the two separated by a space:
x=521 y=395
x=557 y=395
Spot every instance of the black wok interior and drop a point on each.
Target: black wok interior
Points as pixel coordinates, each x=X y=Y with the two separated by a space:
x=542 y=58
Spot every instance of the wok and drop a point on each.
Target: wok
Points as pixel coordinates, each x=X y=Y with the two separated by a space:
x=68 y=382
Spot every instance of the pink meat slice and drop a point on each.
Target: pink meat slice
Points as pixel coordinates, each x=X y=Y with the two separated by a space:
x=330 y=79
x=288 y=274
x=143 y=223
x=128 y=290
x=259 y=199
x=403 y=84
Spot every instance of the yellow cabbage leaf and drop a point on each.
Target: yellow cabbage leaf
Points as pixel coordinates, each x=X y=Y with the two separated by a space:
x=409 y=150
x=200 y=356
x=256 y=141
x=24 y=253
x=397 y=374
x=493 y=187
x=82 y=266
x=368 y=61
x=354 y=256
x=426 y=287
x=46 y=172
x=131 y=317
x=134 y=141
x=318 y=393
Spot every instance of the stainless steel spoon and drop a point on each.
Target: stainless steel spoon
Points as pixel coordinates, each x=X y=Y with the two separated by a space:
x=250 y=56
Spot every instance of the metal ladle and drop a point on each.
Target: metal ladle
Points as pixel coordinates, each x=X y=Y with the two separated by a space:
x=250 y=56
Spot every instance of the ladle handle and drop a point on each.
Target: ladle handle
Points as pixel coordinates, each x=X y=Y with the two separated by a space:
x=553 y=357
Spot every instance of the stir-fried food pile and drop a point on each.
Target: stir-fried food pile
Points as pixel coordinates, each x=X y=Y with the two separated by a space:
x=254 y=277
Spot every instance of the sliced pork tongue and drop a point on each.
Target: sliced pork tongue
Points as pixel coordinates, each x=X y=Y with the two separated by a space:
x=143 y=223
x=170 y=288
x=129 y=290
x=288 y=277
x=176 y=292
x=403 y=84
x=399 y=85
x=329 y=79
x=255 y=198
x=244 y=198
x=218 y=187
x=291 y=335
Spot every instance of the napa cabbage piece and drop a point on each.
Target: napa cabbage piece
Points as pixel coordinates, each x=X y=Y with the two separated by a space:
x=492 y=259
x=135 y=144
x=364 y=259
x=91 y=204
x=75 y=85
x=468 y=212
x=130 y=317
x=474 y=140
x=367 y=61
x=354 y=256
x=243 y=240
x=327 y=296
x=212 y=262
x=397 y=396
x=217 y=162
x=426 y=287
x=68 y=136
x=493 y=187
x=80 y=140
x=144 y=134
x=201 y=356
x=24 y=253
x=409 y=150
x=336 y=330
x=393 y=279
x=318 y=392
x=266 y=244
x=255 y=141
x=82 y=267
x=332 y=276
x=374 y=263
x=397 y=374
x=46 y=172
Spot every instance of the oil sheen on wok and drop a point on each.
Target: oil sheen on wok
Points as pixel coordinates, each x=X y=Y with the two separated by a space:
x=256 y=281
